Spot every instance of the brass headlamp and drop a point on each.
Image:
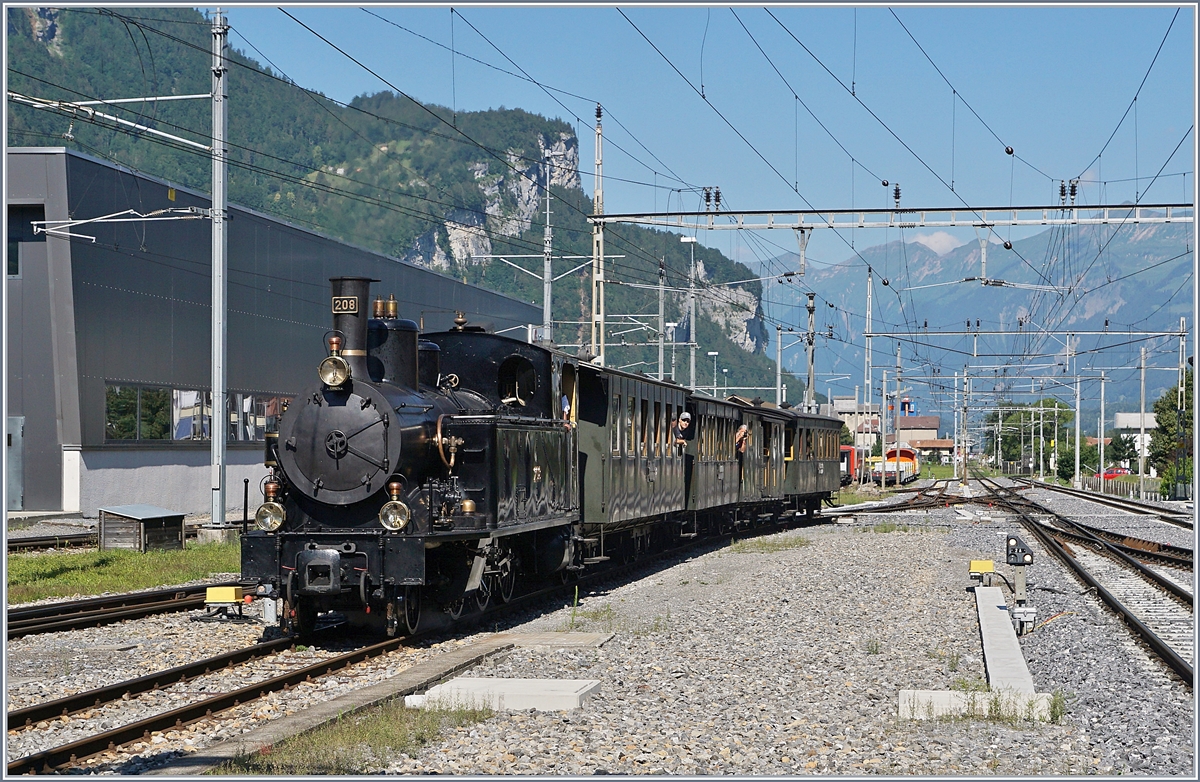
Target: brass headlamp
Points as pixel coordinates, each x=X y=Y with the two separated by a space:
x=270 y=515
x=334 y=370
x=394 y=515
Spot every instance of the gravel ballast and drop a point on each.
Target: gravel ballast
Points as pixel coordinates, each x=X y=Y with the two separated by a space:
x=788 y=661
x=791 y=662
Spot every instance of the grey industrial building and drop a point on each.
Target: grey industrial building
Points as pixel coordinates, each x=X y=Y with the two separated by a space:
x=108 y=356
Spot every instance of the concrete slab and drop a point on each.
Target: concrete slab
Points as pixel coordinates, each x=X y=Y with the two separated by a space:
x=1005 y=662
x=217 y=535
x=509 y=694
x=553 y=640
x=932 y=704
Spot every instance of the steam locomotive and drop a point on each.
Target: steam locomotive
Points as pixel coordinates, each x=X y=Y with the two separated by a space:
x=431 y=473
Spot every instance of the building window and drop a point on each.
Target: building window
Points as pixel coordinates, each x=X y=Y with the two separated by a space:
x=146 y=413
x=120 y=413
x=20 y=231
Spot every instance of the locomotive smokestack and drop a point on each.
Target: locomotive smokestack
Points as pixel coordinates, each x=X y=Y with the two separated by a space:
x=350 y=314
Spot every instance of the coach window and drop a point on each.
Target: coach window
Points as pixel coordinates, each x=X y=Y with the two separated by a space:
x=644 y=428
x=615 y=425
x=658 y=429
x=630 y=426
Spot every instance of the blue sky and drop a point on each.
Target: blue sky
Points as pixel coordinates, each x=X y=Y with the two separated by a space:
x=1052 y=82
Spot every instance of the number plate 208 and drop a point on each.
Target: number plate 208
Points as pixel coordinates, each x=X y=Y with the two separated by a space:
x=347 y=305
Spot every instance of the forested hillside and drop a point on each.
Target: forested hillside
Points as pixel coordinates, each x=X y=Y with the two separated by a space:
x=411 y=180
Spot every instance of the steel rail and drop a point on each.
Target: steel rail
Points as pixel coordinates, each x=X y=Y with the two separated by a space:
x=60 y=707
x=52 y=541
x=49 y=760
x=1127 y=554
x=1161 y=648
x=55 y=758
x=1120 y=503
x=93 y=612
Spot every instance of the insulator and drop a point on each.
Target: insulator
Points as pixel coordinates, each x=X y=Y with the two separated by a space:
x=896 y=194
x=717 y=200
x=977 y=324
x=599 y=112
x=1074 y=188
x=1062 y=191
x=927 y=324
x=707 y=198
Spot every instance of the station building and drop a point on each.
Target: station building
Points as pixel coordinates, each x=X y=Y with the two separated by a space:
x=108 y=351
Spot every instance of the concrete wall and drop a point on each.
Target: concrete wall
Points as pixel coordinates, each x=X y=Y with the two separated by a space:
x=176 y=481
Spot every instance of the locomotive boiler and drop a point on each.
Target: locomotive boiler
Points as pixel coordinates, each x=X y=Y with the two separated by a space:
x=381 y=494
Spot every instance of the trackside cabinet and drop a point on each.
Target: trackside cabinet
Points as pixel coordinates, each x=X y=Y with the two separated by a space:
x=141 y=528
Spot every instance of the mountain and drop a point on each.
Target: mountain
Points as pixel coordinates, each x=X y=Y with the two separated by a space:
x=415 y=181
x=1088 y=278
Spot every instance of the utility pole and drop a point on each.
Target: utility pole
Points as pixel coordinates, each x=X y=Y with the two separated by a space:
x=1142 y=433
x=219 y=420
x=1079 y=481
x=966 y=439
x=598 y=250
x=779 y=366
x=662 y=326
x=883 y=417
x=691 y=241
x=1178 y=492
x=867 y=390
x=954 y=459
x=1101 y=443
x=810 y=393
x=1042 y=434
x=547 y=274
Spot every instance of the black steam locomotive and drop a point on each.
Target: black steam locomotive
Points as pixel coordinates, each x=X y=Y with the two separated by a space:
x=435 y=472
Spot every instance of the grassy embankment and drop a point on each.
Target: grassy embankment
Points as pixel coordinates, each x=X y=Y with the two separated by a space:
x=39 y=576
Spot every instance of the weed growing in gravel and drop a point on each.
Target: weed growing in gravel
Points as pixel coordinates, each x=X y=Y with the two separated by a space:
x=38 y=576
x=1058 y=706
x=963 y=684
x=604 y=617
x=952 y=662
x=356 y=744
x=872 y=646
x=769 y=545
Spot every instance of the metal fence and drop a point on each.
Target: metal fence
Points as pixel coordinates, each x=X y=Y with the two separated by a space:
x=1124 y=488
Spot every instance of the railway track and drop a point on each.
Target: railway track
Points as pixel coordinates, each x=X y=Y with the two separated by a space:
x=1156 y=606
x=95 y=611
x=69 y=755
x=1178 y=519
x=935 y=495
x=78 y=540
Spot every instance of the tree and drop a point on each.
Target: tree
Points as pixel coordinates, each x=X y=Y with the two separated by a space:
x=846 y=437
x=1120 y=449
x=1171 y=440
x=1089 y=457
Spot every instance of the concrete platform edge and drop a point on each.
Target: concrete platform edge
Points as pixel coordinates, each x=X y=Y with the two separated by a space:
x=419 y=677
